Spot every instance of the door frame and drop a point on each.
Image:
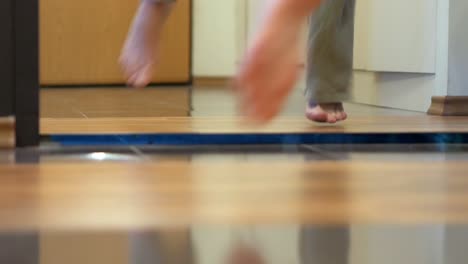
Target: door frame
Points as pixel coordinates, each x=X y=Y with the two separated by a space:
x=6 y=59
x=19 y=75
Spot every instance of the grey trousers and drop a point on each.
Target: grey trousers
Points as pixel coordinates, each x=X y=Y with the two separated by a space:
x=330 y=52
x=325 y=245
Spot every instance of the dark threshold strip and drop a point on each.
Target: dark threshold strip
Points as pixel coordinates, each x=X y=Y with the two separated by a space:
x=259 y=139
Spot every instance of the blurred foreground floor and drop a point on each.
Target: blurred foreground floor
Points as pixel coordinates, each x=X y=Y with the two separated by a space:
x=149 y=187
x=324 y=204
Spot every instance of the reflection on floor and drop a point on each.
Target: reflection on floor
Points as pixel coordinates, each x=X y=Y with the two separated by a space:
x=291 y=244
x=167 y=110
x=131 y=188
x=295 y=204
x=88 y=103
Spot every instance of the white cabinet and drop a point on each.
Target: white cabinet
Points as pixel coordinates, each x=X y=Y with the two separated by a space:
x=396 y=36
x=401 y=52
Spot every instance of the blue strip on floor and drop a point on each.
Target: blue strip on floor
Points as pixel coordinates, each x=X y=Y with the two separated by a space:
x=258 y=139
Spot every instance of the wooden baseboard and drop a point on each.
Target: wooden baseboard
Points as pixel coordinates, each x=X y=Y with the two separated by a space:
x=220 y=82
x=449 y=106
x=7 y=132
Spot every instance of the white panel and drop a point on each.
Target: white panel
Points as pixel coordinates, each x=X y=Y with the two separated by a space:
x=458 y=43
x=361 y=35
x=397 y=244
x=217 y=31
x=408 y=91
x=402 y=35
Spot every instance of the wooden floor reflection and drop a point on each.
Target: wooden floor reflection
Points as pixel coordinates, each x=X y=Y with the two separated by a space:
x=133 y=195
x=291 y=244
x=112 y=102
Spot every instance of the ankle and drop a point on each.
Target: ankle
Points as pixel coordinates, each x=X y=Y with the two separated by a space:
x=298 y=8
x=161 y=8
x=311 y=101
x=160 y=3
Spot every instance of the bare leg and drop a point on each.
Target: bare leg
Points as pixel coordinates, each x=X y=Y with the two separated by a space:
x=140 y=53
x=269 y=70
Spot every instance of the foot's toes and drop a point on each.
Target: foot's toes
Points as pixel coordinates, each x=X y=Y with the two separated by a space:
x=340 y=113
x=141 y=78
x=326 y=113
x=132 y=79
x=142 y=81
x=344 y=116
x=341 y=116
x=332 y=118
x=317 y=114
x=128 y=66
x=317 y=117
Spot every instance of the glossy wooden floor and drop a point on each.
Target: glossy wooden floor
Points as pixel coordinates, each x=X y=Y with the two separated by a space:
x=93 y=103
x=233 y=125
x=178 y=193
x=168 y=110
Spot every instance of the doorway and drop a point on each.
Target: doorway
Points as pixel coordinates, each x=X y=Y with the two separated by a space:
x=80 y=44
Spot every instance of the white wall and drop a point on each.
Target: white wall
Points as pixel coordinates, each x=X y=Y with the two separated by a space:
x=218 y=33
x=458 y=44
x=221 y=30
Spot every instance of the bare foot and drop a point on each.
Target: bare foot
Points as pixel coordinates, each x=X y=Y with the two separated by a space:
x=269 y=70
x=245 y=255
x=140 y=52
x=326 y=113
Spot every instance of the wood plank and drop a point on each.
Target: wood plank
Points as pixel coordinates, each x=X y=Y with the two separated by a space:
x=102 y=196
x=235 y=125
x=212 y=82
x=81 y=42
x=7 y=132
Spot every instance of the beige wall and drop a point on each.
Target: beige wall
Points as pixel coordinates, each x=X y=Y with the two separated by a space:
x=218 y=34
x=458 y=43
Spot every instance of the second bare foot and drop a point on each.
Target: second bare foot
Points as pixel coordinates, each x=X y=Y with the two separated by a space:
x=326 y=112
x=140 y=53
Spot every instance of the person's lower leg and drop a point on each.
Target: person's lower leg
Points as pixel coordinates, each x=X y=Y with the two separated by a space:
x=140 y=53
x=330 y=58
